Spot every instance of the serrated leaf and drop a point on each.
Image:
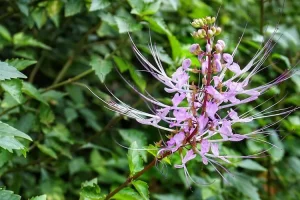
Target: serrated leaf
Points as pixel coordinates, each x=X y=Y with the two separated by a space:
x=133 y=135
x=101 y=67
x=99 y=4
x=39 y=16
x=142 y=8
x=252 y=165
x=134 y=160
x=73 y=7
x=10 y=143
x=8 y=195
x=42 y=197
x=125 y=25
x=157 y=25
x=31 y=91
x=53 y=10
x=8 y=72
x=46 y=150
x=20 y=64
x=46 y=115
x=127 y=194
x=22 y=40
x=143 y=189
x=7 y=130
x=90 y=189
x=14 y=88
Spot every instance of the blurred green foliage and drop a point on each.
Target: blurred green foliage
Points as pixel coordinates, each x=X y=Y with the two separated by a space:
x=58 y=141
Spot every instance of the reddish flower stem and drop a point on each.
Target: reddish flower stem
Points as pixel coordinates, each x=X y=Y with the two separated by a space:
x=209 y=72
x=137 y=175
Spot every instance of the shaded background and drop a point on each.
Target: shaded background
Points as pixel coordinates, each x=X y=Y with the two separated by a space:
x=75 y=139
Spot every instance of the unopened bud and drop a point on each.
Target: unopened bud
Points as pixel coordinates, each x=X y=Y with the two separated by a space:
x=195 y=49
x=213 y=19
x=208 y=20
x=210 y=33
x=218 y=30
x=213 y=29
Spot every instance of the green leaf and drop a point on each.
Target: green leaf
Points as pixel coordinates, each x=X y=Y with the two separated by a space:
x=126 y=25
x=20 y=64
x=101 y=67
x=46 y=150
x=283 y=58
x=99 y=4
x=53 y=10
x=5 y=156
x=76 y=165
x=277 y=152
x=252 y=165
x=8 y=195
x=46 y=115
x=31 y=91
x=134 y=160
x=127 y=194
x=9 y=72
x=123 y=65
x=73 y=7
x=7 y=130
x=70 y=114
x=39 y=16
x=22 y=40
x=143 y=189
x=144 y=7
x=133 y=135
x=26 y=122
x=90 y=189
x=4 y=33
x=42 y=197
x=14 y=88
x=10 y=143
x=242 y=183
x=157 y=25
x=175 y=45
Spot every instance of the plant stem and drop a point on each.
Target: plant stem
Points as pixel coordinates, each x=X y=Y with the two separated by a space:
x=137 y=175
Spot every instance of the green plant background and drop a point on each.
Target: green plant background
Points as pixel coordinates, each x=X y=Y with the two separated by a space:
x=79 y=148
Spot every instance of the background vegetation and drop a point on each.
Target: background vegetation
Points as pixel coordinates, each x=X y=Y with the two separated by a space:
x=58 y=140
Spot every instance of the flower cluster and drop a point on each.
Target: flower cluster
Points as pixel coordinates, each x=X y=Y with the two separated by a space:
x=201 y=115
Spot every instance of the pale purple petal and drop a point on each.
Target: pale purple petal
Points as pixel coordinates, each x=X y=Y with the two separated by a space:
x=227 y=58
x=178 y=98
x=215 y=149
x=186 y=64
x=234 y=67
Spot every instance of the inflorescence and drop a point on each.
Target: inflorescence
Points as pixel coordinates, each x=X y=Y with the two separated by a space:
x=202 y=114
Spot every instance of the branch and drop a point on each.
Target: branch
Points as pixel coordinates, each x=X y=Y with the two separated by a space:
x=137 y=175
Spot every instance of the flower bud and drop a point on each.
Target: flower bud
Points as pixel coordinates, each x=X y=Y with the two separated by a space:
x=213 y=29
x=218 y=30
x=195 y=49
x=208 y=19
x=210 y=33
x=213 y=19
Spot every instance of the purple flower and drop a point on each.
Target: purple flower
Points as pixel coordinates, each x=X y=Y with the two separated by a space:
x=196 y=113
